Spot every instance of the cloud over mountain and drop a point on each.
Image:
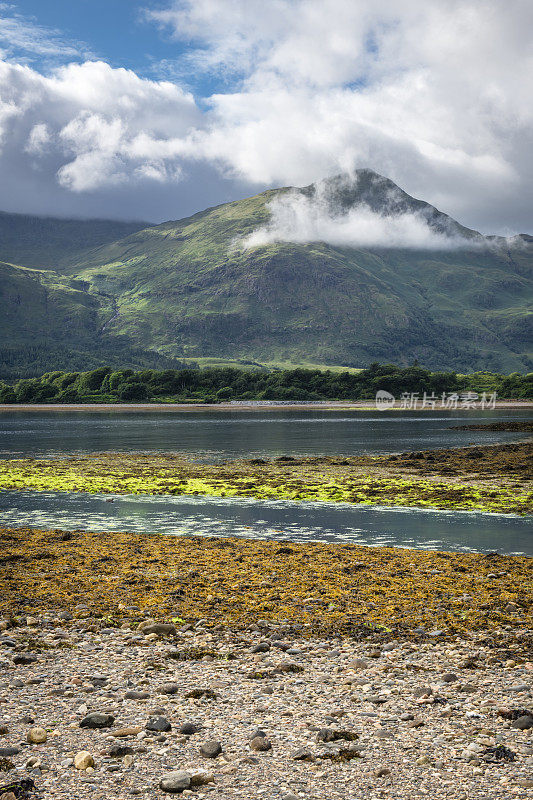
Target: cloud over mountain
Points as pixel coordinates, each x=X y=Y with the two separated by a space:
x=316 y=215
x=437 y=95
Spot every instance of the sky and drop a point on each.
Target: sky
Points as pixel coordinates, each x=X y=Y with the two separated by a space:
x=155 y=109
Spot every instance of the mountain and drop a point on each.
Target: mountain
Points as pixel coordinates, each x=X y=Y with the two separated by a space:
x=346 y=271
x=49 y=243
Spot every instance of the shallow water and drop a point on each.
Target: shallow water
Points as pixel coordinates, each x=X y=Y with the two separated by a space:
x=216 y=435
x=219 y=435
x=463 y=531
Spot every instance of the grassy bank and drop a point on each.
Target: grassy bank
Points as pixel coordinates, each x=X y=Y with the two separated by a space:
x=332 y=588
x=487 y=479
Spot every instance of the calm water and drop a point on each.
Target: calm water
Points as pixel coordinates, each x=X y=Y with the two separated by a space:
x=279 y=519
x=221 y=435
x=234 y=434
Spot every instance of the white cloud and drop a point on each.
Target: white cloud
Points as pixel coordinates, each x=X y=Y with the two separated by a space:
x=302 y=218
x=23 y=37
x=97 y=125
x=437 y=95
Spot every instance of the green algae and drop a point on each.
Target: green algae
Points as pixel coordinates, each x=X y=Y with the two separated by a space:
x=148 y=475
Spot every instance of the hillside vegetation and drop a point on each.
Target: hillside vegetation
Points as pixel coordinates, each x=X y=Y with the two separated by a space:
x=189 y=289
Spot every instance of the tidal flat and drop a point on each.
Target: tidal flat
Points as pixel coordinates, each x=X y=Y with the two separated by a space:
x=331 y=589
x=494 y=478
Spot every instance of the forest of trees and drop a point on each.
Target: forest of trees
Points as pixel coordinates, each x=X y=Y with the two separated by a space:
x=106 y=385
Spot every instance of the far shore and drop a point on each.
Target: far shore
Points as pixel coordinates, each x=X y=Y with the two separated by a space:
x=326 y=405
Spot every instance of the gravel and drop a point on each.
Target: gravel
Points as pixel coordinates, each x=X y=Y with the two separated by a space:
x=403 y=721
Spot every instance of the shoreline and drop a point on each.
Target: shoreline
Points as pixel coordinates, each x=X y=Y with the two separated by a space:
x=326 y=405
x=99 y=709
x=323 y=671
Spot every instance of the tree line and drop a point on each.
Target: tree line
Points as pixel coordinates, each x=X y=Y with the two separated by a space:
x=213 y=385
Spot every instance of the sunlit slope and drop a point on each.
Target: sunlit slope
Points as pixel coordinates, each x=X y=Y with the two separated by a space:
x=48 y=321
x=187 y=288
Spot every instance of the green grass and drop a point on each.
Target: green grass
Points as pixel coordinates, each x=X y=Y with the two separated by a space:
x=206 y=363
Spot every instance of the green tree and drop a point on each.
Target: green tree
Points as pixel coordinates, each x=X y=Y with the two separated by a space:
x=133 y=391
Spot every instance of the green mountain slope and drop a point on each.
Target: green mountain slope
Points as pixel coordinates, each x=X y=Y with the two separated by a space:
x=47 y=319
x=188 y=288
x=49 y=243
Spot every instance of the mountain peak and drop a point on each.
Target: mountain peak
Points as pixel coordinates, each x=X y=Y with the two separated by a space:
x=365 y=187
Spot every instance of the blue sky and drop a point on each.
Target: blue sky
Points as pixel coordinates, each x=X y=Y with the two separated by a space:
x=116 y=31
x=224 y=98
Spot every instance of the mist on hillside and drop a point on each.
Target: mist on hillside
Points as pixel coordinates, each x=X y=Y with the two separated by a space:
x=300 y=217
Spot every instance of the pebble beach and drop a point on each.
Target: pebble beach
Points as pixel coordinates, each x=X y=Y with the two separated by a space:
x=113 y=686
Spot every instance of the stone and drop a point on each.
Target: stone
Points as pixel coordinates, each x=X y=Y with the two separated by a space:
x=199 y=693
x=174 y=782
x=523 y=723
x=497 y=754
x=302 y=754
x=7 y=752
x=132 y=695
x=122 y=733
x=189 y=728
x=332 y=735
x=83 y=760
x=169 y=688
x=201 y=777
x=119 y=751
x=36 y=736
x=449 y=677
x=422 y=691
x=358 y=663
x=381 y=772
x=159 y=628
x=158 y=724
x=378 y=699
x=97 y=720
x=261 y=744
x=262 y=647
x=211 y=749
x=24 y=658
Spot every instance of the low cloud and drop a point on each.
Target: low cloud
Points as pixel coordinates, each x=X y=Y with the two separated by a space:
x=296 y=217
